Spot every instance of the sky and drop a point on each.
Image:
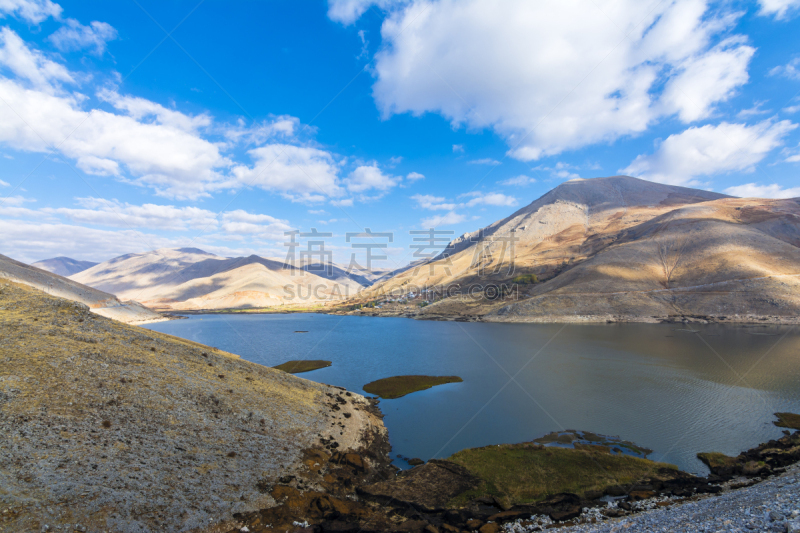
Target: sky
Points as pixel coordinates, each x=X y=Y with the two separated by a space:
x=137 y=125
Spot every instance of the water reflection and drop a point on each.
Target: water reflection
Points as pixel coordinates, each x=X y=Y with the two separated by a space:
x=675 y=389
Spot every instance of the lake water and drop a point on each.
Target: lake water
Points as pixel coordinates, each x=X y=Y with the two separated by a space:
x=675 y=389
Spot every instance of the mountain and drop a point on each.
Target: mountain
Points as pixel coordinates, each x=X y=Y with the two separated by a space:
x=191 y=279
x=99 y=302
x=63 y=266
x=109 y=427
x=622 y=248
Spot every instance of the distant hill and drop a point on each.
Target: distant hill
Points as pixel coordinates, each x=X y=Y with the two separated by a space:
x=63 y=266
x=191 y=279
x=622 y=248
x=99 y=302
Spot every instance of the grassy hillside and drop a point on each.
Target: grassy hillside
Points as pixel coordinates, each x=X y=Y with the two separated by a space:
x=119 y=428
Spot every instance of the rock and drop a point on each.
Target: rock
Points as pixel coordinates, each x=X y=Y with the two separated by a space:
x=775 y=516
x=752 y=469
x=474 y=523
x=624 y=505
x=490 y=528
x=430 y=529
x=416 y=461
x=428 y=487
x=449 y=528
x=355 y=460
x=638 y=495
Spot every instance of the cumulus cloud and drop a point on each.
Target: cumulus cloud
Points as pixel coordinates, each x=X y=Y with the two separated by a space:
x=33 y=11
x=368 y=177
x=348 y=11
x=414 y=176
x=30 y=65
x=752 y=190
x=427 y=201
x=780 y=9
x=176 y=154
x=75 y=36
x=555 y=76
x=493 y=199
x=519 y=181
x=710 y=150
x=448 y=219
x=101 y=212
x=791 y=70
x=458 y=148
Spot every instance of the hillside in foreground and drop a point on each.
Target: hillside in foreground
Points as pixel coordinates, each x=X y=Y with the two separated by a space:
x=618 y=249
x=117 y=428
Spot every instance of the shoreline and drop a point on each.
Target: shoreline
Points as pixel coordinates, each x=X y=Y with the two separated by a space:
x=762 y=320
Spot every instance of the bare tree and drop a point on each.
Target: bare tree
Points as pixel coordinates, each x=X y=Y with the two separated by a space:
x=670 y=254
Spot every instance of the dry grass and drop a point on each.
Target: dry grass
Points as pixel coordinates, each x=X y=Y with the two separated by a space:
x=102 y=418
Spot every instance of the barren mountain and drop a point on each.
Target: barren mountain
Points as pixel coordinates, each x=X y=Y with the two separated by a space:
x=191 y=279
x=109 y=427
x=63 y=266
x=99 y=302
x=621 y=248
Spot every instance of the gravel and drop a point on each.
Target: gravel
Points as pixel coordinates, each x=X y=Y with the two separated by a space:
x=772 y=505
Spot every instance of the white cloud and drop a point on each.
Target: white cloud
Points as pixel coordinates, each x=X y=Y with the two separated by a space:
x=178 y=155
x=493 y=199
x=317 y=211
x=448 y=219
x=484 y=161
x=791 y=109
x=365 y=178
x=15 y=201
x=778 y=8
x=33 y=11
x=414 y=176
x=29 y=64
x=74 y=36
x=752 y=190
x=706 y=79
x=427 y=201
x=33 y=241
x=519 y=181
x=710 y=150
x=123 y=215
x=4 y=184
x=348 y=11
x=555 y=76
x=790 y=70
x=458 y=148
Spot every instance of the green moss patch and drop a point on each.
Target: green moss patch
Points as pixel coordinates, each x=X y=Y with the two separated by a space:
x=304 y=365
x=787 y=420
x=528 y=472
x=716 y=460
x=397 y=386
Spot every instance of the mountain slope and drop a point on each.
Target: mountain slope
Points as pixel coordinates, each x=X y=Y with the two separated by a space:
x=99 y=302
x=190 y=279
x=118 y=428
x=624 y=248
x=63 y=266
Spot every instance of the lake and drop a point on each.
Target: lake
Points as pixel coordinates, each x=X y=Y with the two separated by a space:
x=675 y=389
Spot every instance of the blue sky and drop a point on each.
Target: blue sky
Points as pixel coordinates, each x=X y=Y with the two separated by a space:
x=131 y=126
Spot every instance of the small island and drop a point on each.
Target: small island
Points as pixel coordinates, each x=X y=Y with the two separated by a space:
x=302 y=365
x=399 y=386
